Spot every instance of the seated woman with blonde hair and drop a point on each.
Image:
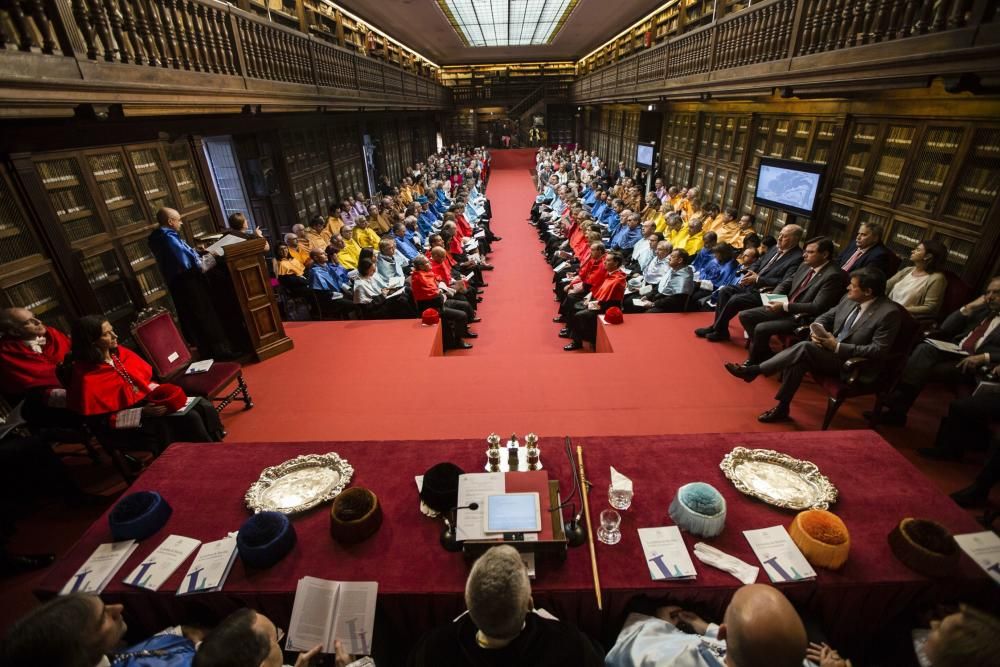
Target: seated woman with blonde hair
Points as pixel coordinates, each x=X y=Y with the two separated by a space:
x=920 y=288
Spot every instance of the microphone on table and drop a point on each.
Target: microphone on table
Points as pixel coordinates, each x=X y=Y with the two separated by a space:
x=576 y=535
x=449 y=539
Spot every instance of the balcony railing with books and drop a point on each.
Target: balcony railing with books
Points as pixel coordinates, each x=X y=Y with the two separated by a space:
x=802 y=43
x=170 y=52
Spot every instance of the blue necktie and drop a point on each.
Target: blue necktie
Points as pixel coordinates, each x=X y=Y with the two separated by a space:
x=845 y=331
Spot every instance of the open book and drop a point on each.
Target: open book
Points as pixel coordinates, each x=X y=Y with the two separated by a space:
x=325 y=611
x=947 y=346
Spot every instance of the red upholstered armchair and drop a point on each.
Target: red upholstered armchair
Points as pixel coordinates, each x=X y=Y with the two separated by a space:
x=864 y=377
x=167 y=351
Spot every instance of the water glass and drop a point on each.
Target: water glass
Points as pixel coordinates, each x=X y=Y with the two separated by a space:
x=620 y=499
x=609 y=532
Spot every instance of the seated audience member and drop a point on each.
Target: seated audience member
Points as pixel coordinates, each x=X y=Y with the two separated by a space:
x=334 y=223
x=704 y=257
x=240 y=226
x=732 y=230
x=760 y=628
x=29 y=355
x=330 y=283
x=287 y=264
x=719 y=272
x=319 y=233
x=967 y=424
x=350 y=253
x=766 y=273
x=967 y=638
x=302 y=234
x=866 y=249
x=364 y=235
x=920 y=288
x=391 y=263
x=81 y=630
x=675 y=286
x=864 y=324
x=581 y=323
x=975 y=328
x=765 y=243
x=501 y=627
x=371 y=292
x=815 y=287
x=455 y=317
x=627 y=235
x=404 y=241
x=106 y=380
x=246 y=638
x=298 y=248
x=649 y=279
x=695 y=237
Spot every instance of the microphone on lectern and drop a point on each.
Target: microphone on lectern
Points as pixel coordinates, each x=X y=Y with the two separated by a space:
x=449 y=539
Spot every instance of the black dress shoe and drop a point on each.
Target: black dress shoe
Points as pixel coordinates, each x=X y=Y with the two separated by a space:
x=15 y=564
x=470 y=334
x=463 y=346
x=745 y=373
x=886 y=417
x=560 y=319
x=717 y=337
x=565 y=333
x=971 y=496
x=939 y=454
x=703 y=331
x=497 y=238
x=778 y=413
x=475 y=320
x=573 y=346
x=484 y=284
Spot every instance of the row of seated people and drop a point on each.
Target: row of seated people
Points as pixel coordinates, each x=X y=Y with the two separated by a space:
x=860 y=311
x=501 y=626
x=350 y=268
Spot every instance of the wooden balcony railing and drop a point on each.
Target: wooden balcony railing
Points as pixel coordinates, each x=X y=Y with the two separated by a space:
x=790 y=42
x=142 y=43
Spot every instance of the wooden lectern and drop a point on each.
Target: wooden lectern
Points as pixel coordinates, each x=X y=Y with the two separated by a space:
x=252 y=299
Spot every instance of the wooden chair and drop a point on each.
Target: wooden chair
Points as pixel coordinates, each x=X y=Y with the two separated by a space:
x=861 y=376
x=168 y=352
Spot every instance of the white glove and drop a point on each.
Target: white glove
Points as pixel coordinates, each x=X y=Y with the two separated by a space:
x=711 y=556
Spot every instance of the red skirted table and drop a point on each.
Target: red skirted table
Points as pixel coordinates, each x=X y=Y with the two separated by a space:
x=421 y=585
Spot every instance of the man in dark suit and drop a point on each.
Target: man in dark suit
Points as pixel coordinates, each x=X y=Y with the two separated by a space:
x=815 y=287
x=766 y=273
x=867 y=249
x=864 y=324
x=975 y=329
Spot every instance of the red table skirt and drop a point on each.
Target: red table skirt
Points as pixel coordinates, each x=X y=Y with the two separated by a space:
x=421 y=585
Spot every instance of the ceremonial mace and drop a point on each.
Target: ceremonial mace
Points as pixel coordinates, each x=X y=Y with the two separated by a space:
x=584 y=491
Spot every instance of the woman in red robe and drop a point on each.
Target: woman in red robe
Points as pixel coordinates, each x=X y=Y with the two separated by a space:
x=107 y=382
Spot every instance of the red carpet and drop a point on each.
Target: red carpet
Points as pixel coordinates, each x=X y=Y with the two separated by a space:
x=379 y=381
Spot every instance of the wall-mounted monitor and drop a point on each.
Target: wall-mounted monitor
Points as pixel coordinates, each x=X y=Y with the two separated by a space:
x=644 y=155
x=789 y=185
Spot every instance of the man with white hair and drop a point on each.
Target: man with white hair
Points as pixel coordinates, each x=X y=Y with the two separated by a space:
x=501 y=627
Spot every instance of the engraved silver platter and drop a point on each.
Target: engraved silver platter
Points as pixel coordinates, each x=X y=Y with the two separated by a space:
x=778 y=479
x=299 y=484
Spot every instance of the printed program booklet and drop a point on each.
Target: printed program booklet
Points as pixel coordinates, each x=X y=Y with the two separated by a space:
x=210 y=567
x=781 y=559
x=666 y=555
x=157 y=567
x=325 y=611
x=98 y=570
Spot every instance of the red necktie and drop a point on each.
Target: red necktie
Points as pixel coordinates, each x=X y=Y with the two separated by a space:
x=969 y=344
x=802 y=287
x=852 y=259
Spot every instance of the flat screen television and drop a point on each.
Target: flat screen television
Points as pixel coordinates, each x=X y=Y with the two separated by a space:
x=788 y=185
x=644 y=155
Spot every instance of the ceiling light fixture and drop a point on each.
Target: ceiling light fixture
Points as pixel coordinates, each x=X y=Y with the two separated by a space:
x=482 y=23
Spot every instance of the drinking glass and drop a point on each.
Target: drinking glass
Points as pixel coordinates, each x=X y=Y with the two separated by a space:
x=608 y=532
x=620 y=499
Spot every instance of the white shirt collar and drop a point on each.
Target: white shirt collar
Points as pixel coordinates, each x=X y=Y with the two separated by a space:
x=36 y=344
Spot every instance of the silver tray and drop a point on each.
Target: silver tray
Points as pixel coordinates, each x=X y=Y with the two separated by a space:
x=778 y=479
x=299 y=484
